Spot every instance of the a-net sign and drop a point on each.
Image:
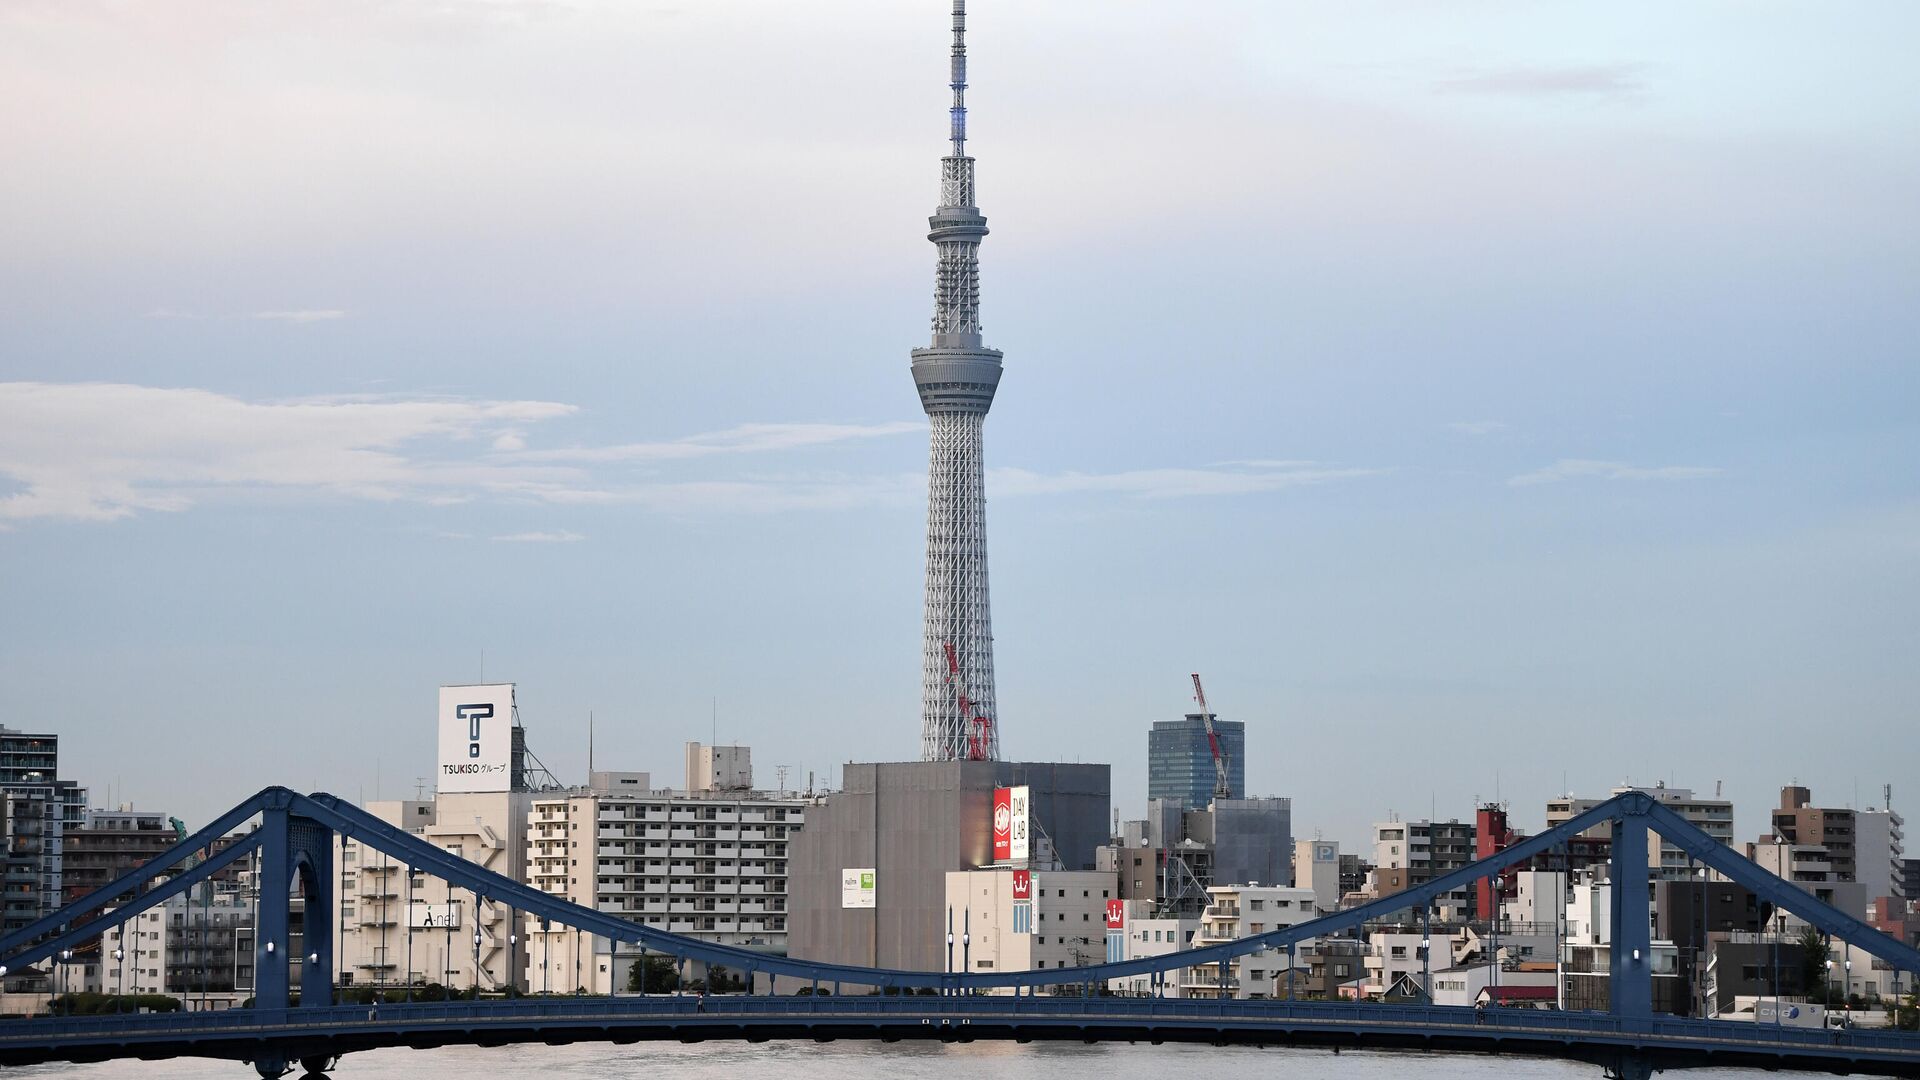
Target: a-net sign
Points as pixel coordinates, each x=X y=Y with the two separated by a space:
x=476 y=738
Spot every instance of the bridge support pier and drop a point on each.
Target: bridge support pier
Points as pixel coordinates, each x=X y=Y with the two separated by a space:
x=1629 y=1067
x=292 y=845
x=1630 y=965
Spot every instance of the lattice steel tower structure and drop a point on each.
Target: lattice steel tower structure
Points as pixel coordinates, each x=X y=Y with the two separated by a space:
x=956 y=377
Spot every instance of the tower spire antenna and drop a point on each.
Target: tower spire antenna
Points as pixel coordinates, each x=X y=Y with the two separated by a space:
x=959 y=78
x=956 y=376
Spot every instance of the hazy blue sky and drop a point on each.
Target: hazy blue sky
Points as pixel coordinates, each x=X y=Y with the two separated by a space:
x=1485 y=396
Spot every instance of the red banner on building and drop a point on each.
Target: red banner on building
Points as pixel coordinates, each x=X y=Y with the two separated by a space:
x=1116 y=914
x=1002 y=824
x=1023 y=884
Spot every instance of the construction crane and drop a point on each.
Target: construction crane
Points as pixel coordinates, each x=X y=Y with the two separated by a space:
x=980 y=731
x=1221 y=789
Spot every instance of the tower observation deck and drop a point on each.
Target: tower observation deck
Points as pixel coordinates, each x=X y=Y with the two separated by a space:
x=956 y=377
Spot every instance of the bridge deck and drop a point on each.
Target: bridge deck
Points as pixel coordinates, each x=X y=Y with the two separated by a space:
x=247 y=1034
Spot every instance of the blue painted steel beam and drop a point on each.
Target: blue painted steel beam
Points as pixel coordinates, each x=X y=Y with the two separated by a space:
x=1630 y=945
x=1779 y=891
x=138 y=876
x=159 y=894
x=349 y=821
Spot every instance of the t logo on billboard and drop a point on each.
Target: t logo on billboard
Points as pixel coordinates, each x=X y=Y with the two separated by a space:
x=473 y=714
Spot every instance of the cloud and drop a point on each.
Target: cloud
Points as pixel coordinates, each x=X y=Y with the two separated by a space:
x=100 y=451
x=1237 y=478
x=300 y=316
x=1578 y=469
x=744 y=439
x=558 y=537
x=1477 y=427
x=1598 y=80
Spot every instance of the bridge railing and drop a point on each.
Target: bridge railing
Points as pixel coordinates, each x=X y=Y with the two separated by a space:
x=689 y=1010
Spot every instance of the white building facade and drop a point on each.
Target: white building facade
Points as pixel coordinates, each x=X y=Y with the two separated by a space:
x=711 y=865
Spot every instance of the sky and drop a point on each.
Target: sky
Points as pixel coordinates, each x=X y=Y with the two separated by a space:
x=1490 y=399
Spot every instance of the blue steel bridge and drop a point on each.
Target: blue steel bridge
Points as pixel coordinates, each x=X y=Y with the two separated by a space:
x=294 y=844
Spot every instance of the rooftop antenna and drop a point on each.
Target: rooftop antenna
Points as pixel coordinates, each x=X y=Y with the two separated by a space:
x=589 y=746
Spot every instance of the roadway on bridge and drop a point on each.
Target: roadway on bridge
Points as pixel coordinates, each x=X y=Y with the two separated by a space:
x=324 y=1032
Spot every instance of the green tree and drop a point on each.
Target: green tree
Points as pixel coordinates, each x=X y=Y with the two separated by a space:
x=653 y=975
x=1814 y=954
x=1905 y=1013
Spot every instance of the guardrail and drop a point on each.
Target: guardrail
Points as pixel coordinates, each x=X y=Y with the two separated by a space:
x=133 y=1029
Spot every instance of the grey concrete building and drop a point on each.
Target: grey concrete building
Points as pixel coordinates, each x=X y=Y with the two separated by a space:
x=1252 y=839
x=911 y=823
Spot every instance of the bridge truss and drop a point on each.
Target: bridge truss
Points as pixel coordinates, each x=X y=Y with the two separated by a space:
x=294 y=843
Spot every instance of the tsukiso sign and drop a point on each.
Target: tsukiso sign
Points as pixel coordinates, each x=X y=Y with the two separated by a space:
x=476 y=738
x=1023 y=884
x=1116 y=914
x=1011 y=829
x=857 y=887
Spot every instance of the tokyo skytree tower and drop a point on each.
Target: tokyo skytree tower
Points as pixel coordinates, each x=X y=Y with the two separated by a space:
x=956 y=377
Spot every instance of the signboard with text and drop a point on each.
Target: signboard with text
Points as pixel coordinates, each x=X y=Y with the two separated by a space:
x=476 y=738
x=1002 y=824
x=1023 y=884
x=1023 y=901
x=857 y=887
x=1019 y=826
x=434 y=916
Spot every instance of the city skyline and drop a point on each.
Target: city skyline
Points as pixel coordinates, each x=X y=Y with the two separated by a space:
x=1549 y=406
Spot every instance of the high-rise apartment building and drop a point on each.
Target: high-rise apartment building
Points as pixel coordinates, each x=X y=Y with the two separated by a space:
x=1410 y=853
x=1180 y=760
x=37 y=810
x=1880 y=853
x=711 y=865
x=109 y=843
x=1796 y=821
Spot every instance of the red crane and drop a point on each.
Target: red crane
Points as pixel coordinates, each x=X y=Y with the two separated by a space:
x=980 y=733
x=1221 y=789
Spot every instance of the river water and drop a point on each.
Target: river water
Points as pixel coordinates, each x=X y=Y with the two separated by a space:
x=877 y=1061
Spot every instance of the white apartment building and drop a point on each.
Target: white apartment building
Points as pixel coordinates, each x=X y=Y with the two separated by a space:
x=197 y=947
x=1146 y=936
x=1061 y=922
x=1879 y=852
x=712 y=865
x=1712 y=816
x=719 y=768
x=404 y=927
x=1238 y=911
x=1394 y=956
